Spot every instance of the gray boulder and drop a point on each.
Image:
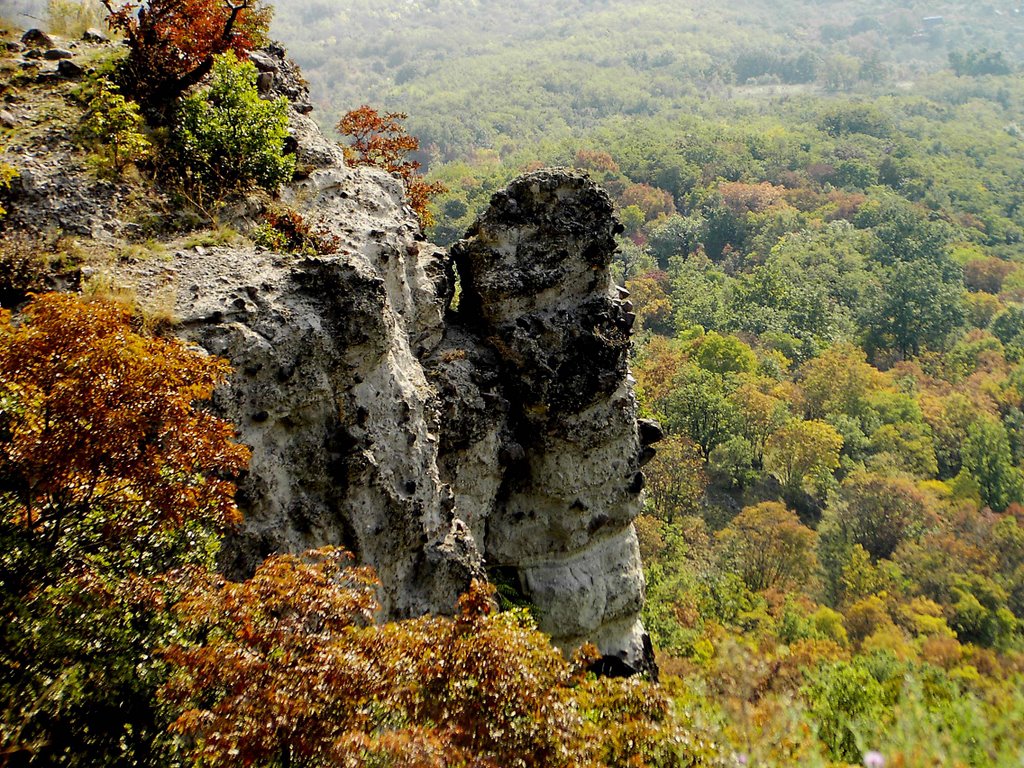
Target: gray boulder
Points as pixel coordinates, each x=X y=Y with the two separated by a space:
x=69 y=69
x=36 y=38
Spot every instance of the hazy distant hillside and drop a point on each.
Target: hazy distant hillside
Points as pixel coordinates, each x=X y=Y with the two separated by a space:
x=24 y=12
x=482 y=72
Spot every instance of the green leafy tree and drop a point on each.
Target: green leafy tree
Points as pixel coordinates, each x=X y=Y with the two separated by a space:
x=839 y=381
x=697 y=406
x=676 y=479
x=986 y=457
x=915 y=304
x=842 y=698
x=907 y=446
x=632 y=218
x=651 y=304
x=758 y=415
x=724 y=354
x=112 y=122
x=851 y=117
x=916 y=300
x=226 y=137
x=675 y=235
x=731 y=464
x=697 y=292
x=977 y=63
x=1008 y=326
x=760 y=301
x=979 y=610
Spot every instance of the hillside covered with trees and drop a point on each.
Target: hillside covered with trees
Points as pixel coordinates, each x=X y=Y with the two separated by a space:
x=478 y=74
x=823 y=245
x=121 y=642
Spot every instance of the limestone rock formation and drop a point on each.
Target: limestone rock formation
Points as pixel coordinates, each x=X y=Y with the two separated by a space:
x=439 y=444
x=501 y=436
x=543 y=451
x=327 y=388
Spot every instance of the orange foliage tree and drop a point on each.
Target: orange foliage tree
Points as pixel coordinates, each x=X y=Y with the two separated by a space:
x=293 y=671
x=659 y=364
x=880 y=512
x=96 y=416
x=652 y=201
x=742 y=198
x=381 y=140
x=109 y=475
x=173 y=42
x=987 y=274
x=769 y=546
x=596 y=160
x=651 y=302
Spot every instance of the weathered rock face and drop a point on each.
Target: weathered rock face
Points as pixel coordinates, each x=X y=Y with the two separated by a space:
x=543 y=443
x=327 y=388
x=436 y=444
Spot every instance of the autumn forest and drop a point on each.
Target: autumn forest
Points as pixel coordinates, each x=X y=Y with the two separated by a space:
x=823 y=245
x=822 y=210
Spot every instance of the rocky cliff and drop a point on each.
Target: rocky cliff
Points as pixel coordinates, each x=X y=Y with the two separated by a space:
x=438 y=443
x=540 y=442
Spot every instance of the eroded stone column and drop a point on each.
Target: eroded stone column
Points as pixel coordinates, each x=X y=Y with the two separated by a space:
x=556 y=452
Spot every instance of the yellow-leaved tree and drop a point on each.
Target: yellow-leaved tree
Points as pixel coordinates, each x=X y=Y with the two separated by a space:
x=803 y=451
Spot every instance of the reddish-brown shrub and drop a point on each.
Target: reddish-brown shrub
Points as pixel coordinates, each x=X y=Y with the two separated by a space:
x=381 y=140
x=173 y=42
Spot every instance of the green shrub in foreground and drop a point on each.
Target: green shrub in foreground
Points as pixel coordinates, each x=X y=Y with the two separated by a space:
x=227 y=138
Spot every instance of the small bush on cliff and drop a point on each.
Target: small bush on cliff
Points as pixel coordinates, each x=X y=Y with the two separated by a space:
x=381 y=140
x=7 y=174
x=225 y=137
x=173 y=43
x=111 y=124
x=284 y=229
x=28 y=263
